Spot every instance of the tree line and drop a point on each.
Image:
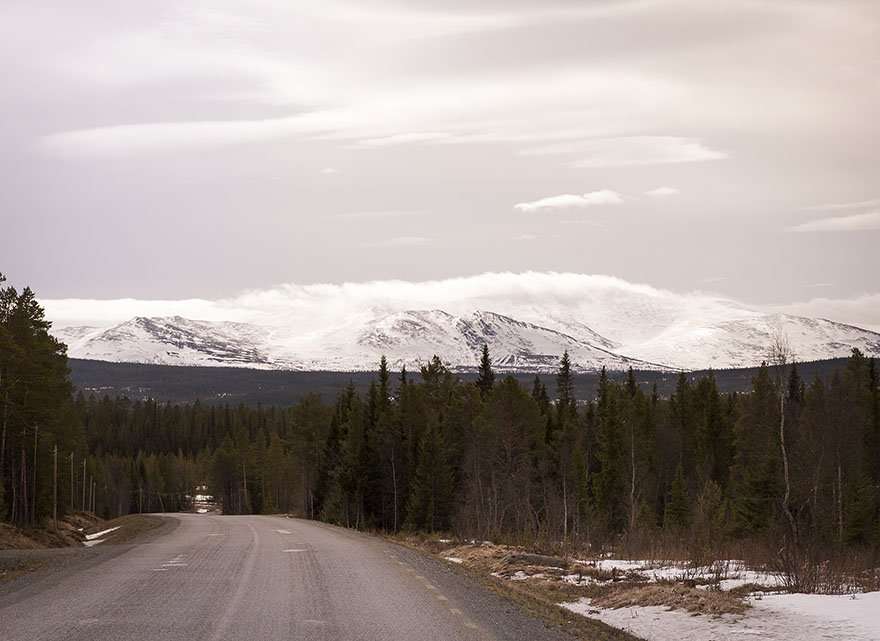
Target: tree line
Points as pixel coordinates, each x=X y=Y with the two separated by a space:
x=494 y=459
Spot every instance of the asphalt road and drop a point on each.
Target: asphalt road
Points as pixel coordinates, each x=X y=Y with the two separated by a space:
x=259 y=578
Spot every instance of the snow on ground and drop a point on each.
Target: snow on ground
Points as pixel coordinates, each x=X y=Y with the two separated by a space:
x=98 y=535
x=779 y=617
x=732 y=574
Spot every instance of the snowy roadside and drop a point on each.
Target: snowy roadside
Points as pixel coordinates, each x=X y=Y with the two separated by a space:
x=675 y=602
x=775 y=617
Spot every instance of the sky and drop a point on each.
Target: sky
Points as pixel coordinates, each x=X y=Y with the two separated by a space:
x=182 y=150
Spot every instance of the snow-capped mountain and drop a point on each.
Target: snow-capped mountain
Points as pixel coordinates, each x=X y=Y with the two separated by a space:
x=412 y=337
x=170 y=341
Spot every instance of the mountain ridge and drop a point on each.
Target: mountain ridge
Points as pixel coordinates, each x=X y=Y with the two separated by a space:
x=411 y=337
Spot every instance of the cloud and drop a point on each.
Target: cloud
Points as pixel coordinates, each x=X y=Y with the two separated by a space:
x=629 y=151
x=853 y=205
x=663 y=191
x=590 y=199
x=611 y=306
x=328 y=170
x=401 y=241
x=862 y=311
x=856 y=222
x=381 y=213
x=404 y=139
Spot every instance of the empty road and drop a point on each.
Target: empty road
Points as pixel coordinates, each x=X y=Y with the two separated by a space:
x=261 y=578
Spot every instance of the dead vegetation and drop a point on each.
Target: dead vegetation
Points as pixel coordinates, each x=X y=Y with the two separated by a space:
x=68 y=533
x=675 y=596
x=557 y=579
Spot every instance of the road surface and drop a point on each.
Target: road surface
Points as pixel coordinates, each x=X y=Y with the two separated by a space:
x=261 y=578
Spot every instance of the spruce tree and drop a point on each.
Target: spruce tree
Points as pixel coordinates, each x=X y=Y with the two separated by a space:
x=486 y=377
x=677 y=514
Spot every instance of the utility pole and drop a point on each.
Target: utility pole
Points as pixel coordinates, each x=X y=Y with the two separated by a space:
x=84 y=485
x=91 y=492
x=34 y=499
x=55 y=485
x=244 y=477
x=72 y=484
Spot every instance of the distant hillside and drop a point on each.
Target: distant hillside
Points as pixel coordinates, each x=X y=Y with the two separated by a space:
x=271 y=387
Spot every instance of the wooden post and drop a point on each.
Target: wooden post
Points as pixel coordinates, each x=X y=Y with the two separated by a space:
x=34 y=498
x=55 y=485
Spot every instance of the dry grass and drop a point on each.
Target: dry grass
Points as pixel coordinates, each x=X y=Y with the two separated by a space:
x=68 y=533
x=130 y=527
x=674 y=596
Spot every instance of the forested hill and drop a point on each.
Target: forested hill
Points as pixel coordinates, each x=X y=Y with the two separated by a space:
x=181 y=384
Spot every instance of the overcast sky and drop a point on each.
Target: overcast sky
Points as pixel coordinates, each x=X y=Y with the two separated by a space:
x=176 y=149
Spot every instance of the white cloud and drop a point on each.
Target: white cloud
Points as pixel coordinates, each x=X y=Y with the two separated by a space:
x=856 y=222
x=853 y=205
x=401 y=241
x=862 y=311
x=629 y=151
x=381 y=213
x=611 y=306
x=404 y=139
x=663 y=191
x=590 y=199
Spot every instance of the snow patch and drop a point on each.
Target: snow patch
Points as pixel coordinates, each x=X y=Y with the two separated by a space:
x=782 y=617
x=98 y=535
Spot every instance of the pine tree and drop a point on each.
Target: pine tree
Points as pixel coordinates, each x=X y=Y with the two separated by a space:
x=566 y=408
x=608 y=480
x=431 y=493
x=677 y=514
x=486 y=377
x=384 y=390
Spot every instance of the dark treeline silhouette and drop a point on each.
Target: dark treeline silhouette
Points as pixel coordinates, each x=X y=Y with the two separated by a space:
x=234 y=385
x=791 y=462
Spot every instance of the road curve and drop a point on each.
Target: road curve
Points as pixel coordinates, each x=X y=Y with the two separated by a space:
x=261 y=578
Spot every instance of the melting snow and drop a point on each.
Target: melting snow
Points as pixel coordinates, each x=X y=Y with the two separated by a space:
x=779 y=617
x=98 y=535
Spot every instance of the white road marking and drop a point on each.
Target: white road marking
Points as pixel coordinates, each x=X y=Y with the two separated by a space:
x=283 y=531
x=295 y=550
x=160 y=569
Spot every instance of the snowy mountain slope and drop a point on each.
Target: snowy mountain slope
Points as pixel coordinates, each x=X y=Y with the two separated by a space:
x=170 y=341
x=744 y=342
x=412 y=337
x=534 y=317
